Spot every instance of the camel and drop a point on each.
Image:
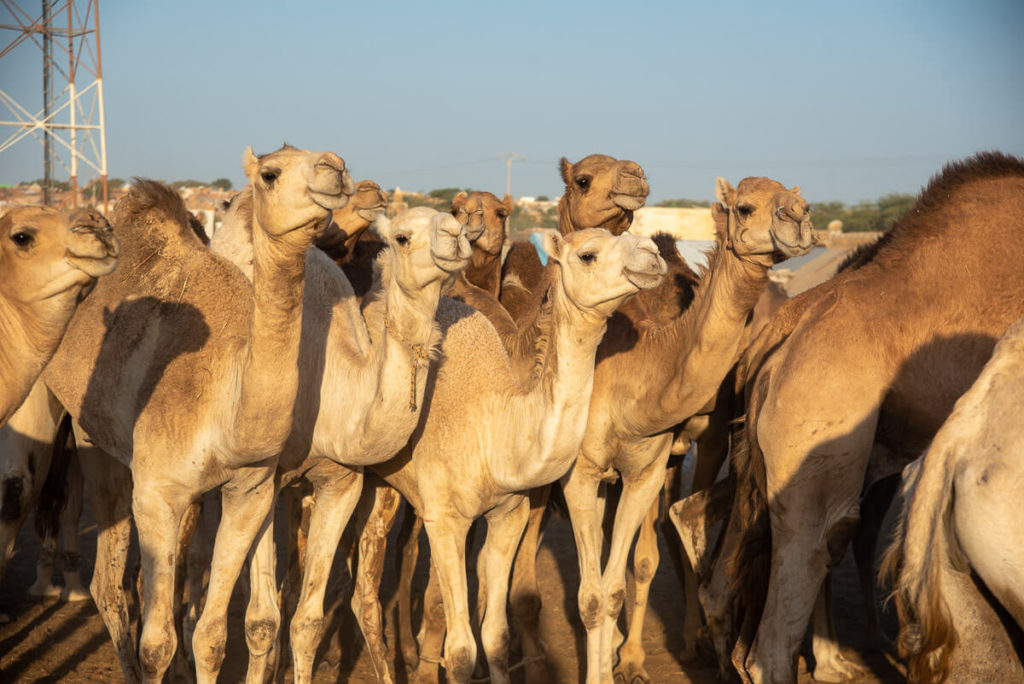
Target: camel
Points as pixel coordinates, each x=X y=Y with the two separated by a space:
x=371 y=370
x=180 y=373
x=962 y=517
x=50 y=260
x=455 y=470
x=600 y=192
x=484 y=217
x=949 y=278
x=350 y=222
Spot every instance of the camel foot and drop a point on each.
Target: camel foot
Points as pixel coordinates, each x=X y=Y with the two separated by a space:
x=838 y=669
x=72 y=593
x=44 y=589
x=631 y=673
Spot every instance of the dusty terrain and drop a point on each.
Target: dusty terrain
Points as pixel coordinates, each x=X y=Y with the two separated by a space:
x=50 y=641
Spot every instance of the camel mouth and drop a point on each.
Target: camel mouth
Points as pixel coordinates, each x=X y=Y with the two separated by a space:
x=474 y=233
x=331 y=187
x=92 y=266
x=93 y=250
x=628 y=201
x=451 y=251
x=370 y=214
x=645 y=280
x=796 y=242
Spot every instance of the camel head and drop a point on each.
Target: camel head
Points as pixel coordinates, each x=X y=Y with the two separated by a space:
x=599 y=271
x=295 y=188
x=45 y=253
x=764 y=222
x=602 y=192
x=484 y=216
x=350 y=222
x=426 y=246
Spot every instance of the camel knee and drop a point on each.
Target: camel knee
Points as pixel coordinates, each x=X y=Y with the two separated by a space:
x=460 y=660
x=616 y=597
x=644 y=570
x=156 y=648
x=209 y=644
x=591 y=602
x=496 y=640
x=261 y=632
x=305 y=633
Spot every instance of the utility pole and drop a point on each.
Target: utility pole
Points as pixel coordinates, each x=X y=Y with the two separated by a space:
x=71 y=124
x=509 y=157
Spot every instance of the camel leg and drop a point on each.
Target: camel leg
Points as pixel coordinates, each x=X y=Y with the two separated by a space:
x=872 y=513
x=183 y=657
x=246 y=506
x=262 y=614
x=335 y=500
x=448 y=556
x=110 y=490
x=432 y=630
x=504 y=530
x=409 y=543
x=639 y=492
x=524 y=596
x=580 y=487
x=366 y=596
x=67 y=544
x=158 y=519
x=830 y=665
x=645 y=561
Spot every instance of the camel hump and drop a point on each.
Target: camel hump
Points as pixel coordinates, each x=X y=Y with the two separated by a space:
x=524 y=263
x=147 y=199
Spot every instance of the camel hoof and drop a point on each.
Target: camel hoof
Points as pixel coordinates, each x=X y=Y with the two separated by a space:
x=838 y=669
x=74 y=594
x=631 y=673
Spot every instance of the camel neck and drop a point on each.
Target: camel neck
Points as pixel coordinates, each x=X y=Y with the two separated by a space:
x=31 y=334
x=707 y=337
x=270 y=375
x=484 y=271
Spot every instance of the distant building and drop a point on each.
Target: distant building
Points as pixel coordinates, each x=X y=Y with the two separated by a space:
x=682 y=224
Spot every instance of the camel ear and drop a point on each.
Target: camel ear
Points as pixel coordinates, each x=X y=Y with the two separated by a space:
x=566 y=169
x=459 y=201
x=552 y=242
x=724 y=192
x=795 y=190
x=508 y=204
x=720 y=215
x=249 y=163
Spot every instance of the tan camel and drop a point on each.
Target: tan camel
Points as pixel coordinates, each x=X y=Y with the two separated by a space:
x=181 y=371
x=49 y=261
x=456 y=470
x=351 y=221
x=484 y=217
x=949 y=278
x=962 y=517
x=371 y=370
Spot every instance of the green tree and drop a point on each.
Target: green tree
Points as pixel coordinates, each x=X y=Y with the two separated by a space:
x=543 y=198
x=684 y=203
x=222 y=183
x=446 y=194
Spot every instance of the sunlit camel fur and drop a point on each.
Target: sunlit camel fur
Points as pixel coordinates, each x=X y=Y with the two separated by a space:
x=179 y=370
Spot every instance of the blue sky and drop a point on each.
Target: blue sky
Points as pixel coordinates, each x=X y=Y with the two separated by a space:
x=849 y=100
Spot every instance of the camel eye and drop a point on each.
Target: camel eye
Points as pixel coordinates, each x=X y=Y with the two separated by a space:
x=402 y=240
x=745 y=210
x=22 y=239
x=588 y=257
x=269 y=175
x=501 y=213
x=583 y=182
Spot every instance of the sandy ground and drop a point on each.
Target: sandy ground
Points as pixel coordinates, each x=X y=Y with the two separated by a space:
x=49 y=641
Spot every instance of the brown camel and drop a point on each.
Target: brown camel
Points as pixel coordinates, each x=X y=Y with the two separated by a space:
x=371 y=367
x=349 y=223
x=949 y=278
x=49 y=261
x=484 y=217
x=181 y=371
x=600 y=192
x=962 y=523
x=456 y=470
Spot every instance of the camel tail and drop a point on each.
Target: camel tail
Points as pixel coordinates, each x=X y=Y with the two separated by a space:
x=925 y=541
x=54 y=494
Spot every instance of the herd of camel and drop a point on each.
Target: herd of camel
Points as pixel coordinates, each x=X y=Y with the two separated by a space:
x=358 y=373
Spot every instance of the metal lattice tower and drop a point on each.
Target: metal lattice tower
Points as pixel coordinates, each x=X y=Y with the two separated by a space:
x=71 y=123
